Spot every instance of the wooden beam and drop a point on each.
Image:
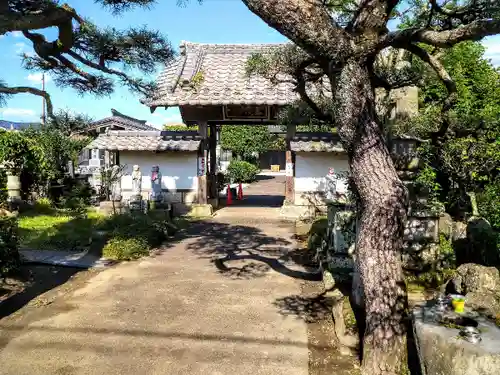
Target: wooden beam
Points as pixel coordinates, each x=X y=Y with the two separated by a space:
x=290 y=167
x=202 y=164
x=212 y=138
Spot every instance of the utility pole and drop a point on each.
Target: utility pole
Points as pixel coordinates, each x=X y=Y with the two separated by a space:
x=43 y=99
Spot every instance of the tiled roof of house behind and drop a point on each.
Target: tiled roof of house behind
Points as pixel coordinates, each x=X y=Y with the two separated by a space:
x=123 y=140
x=117 y=118
x=316 y=142
x=222 y=79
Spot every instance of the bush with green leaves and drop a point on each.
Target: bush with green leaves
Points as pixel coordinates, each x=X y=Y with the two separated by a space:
x=245 y=140
x=9 y=254
x=153 y=230
x=489 y=203
x=118 y=248
x=242 y=171
x=3 y=187
x=39 y=156
x=134 y=235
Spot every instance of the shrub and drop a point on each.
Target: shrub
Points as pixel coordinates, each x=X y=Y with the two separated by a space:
x=43 y=206
x=148 y=228
x=134 y=235
x=9 y=254
x=3 y=187
x=242 y=171
x=125 y=248
x=488 y=204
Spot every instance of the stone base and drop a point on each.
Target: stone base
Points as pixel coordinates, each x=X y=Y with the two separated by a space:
x=111 y=207
x=201 y=210
x=441 y=351
x=295 y=212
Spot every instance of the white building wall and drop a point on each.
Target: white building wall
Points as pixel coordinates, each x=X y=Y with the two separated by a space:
x=312 y=167
x=179 y=169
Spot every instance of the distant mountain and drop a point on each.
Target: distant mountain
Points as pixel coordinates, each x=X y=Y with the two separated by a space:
x=18 y=125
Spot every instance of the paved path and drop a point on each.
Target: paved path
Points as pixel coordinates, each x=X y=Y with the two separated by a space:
x=267 y=191
x=217 y=302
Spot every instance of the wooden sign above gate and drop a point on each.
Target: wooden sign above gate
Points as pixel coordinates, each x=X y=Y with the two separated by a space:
x=246 y=112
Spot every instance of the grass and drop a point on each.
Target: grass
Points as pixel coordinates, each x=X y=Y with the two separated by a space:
x=90 y=230
x=58 y=230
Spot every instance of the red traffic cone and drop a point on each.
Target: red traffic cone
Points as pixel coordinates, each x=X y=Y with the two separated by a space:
x=240 y=192
x=229 y=199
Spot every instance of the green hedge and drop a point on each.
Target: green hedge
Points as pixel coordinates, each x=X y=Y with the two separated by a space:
x=125 y=248
x=9 y=254
x=242 y=171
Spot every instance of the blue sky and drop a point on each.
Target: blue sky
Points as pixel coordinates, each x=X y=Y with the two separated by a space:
x=215 y=21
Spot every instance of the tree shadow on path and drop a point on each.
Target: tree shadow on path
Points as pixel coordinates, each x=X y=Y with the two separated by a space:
x=245 y=252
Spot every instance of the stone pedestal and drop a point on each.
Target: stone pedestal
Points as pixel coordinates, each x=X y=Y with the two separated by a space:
x=201 y=210
x=442 y=350
x=111 y=207
x=13 y=191
x=13 y=187
x=135 y=203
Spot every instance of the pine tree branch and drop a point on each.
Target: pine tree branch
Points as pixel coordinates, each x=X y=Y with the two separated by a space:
x=475 y=30
x=30 y=90
x=445 y=77
x=308 y=23
x=104 y=69
x=47 y=15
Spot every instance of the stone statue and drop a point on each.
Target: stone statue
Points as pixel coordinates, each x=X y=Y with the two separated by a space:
x=156 y=183
x=136 y=180
x=331 y=185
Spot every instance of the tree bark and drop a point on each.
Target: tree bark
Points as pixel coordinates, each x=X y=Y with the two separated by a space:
x=383 y=206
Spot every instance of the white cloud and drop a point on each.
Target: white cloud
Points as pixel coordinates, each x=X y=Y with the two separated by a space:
x=37 y=77
x=17 y=34
x=20 y=47
x=492 y=45
x=168 y=117
x=19 y=112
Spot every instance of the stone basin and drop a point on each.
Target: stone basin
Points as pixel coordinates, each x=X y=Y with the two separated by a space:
x=443 y=351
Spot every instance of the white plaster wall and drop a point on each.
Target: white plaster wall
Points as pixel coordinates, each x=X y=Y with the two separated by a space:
x=179 y=169
x=312 y=167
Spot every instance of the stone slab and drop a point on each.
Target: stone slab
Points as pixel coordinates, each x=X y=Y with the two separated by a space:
x=65 y=258
x=443 y=352
x=201 y=210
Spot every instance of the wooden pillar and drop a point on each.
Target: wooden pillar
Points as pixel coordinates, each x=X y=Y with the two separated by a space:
x=212 y=138
x=202 y=164
x=289 y=167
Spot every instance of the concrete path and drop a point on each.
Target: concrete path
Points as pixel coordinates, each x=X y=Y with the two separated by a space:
x=220 y=301
x=268 y=191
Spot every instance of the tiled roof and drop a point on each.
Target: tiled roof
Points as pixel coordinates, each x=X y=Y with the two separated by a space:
x=119 y=119
x=316 y=142
x=123 y=140
x=223 y=80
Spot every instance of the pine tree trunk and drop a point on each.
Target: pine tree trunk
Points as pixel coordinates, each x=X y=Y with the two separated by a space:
x=383 y=206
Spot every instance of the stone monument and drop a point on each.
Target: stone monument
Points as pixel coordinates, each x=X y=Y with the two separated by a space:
x=116 y=187
x=156 y=193
x=331 y=185
x=136 y=197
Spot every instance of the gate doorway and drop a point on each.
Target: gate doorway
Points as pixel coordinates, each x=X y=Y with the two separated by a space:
x=269 y=158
